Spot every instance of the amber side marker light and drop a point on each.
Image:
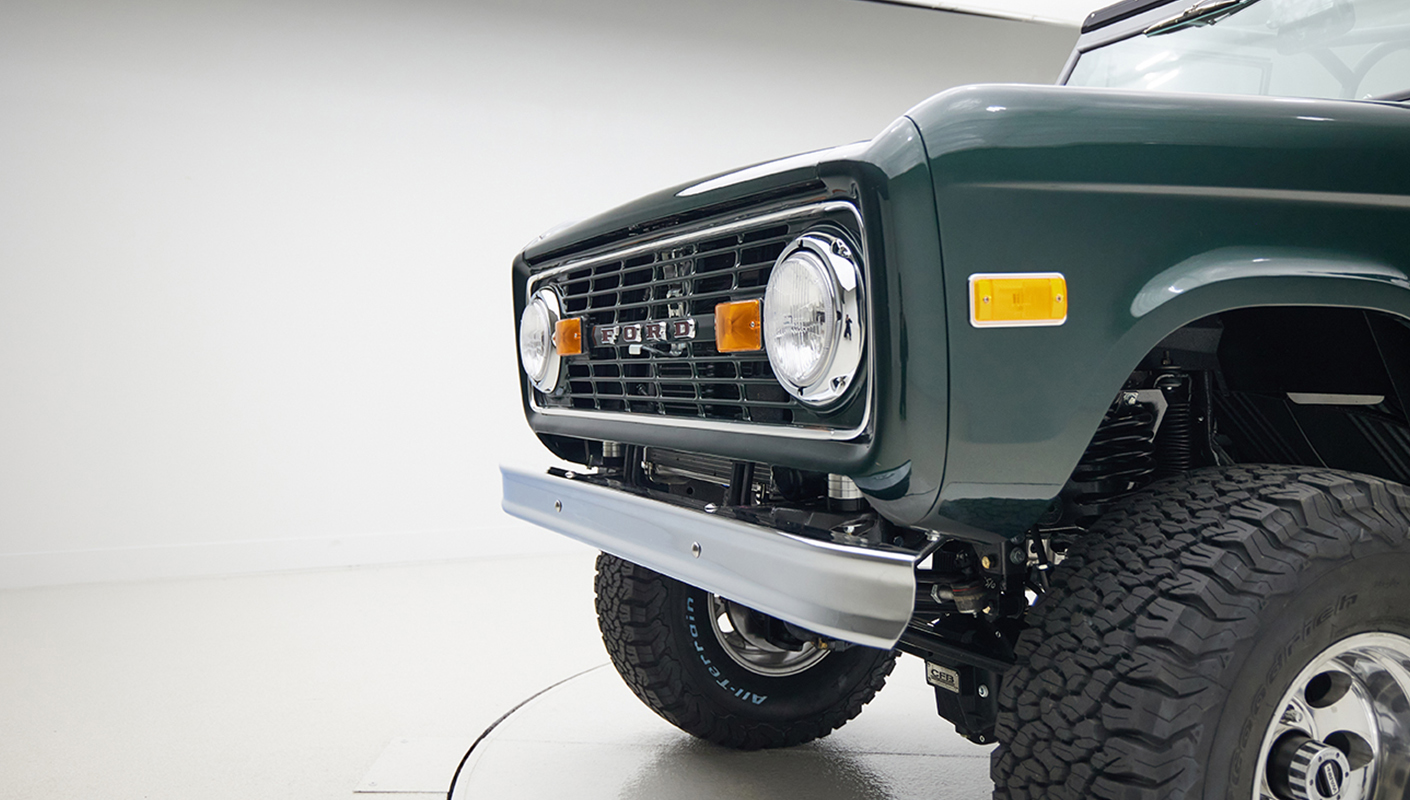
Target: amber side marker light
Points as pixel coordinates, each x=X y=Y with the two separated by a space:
x=568 y=337
x=738 y=327
x=1017 y=299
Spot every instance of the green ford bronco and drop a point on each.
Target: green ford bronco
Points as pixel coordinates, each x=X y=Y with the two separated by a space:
x=1096 y=397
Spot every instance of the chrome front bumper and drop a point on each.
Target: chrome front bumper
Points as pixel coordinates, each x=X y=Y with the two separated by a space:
x=850 y=593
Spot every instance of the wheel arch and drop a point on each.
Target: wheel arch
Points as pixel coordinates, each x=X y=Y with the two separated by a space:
x=1310 y=353
x=1234 y=279
x=1292 y=321
x=1218 y=282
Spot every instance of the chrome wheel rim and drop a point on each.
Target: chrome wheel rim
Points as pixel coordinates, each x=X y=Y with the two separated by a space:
x=1348 y=714
x=736 y=629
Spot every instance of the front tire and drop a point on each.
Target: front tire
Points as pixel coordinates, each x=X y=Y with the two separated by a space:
x=1190 y=636
x=673 y=645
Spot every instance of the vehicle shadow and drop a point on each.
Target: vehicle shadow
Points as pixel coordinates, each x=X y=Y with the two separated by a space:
x=696 y=770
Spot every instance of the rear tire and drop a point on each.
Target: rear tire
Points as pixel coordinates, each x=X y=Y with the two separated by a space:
x=660 y=637
x=1181 y=630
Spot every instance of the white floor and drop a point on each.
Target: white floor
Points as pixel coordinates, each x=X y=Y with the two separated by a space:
x=373 y=683
x=589 y=738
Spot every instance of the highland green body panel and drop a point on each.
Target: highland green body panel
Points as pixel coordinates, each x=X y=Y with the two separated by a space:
x=1158 y=210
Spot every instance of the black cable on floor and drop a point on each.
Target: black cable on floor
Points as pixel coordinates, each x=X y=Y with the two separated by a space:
x=507 y=715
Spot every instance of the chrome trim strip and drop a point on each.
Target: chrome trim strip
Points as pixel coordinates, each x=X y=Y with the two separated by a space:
x=851 y=593
x=697 y=424
x=707 y=230
x=784 y=431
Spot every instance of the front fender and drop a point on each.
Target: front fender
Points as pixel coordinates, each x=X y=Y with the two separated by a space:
x=1158 y=209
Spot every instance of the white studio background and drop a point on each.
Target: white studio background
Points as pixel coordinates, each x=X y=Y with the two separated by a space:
x=254 y=254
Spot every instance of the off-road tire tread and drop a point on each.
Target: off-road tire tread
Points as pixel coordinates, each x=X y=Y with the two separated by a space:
x=631 y=612
x=1112 y=675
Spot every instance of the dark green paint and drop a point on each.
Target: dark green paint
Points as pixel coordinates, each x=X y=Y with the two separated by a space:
x=1232 y=202
x=1127 y=194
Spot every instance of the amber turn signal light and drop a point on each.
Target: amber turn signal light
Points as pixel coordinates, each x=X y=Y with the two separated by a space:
x=1017 y=299
x=568 y=337
x=738 y=327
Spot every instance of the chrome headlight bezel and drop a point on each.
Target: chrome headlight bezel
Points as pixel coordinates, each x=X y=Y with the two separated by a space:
x=835 y=261
x=545 y=309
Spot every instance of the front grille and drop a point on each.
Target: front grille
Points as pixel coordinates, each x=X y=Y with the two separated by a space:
x=677 y=285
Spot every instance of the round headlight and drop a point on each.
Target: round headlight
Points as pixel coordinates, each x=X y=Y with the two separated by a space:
x=536 y=350
x=800 y=318
x=813 y=327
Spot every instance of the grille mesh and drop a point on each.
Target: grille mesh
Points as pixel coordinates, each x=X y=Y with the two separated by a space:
x=678 y=377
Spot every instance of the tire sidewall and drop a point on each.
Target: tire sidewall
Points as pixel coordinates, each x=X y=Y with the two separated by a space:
x=771 y=699
x=1367 y=592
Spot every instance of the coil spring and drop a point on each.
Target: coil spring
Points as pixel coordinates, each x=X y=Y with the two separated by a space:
x=1120 y=450
x=1119 y=459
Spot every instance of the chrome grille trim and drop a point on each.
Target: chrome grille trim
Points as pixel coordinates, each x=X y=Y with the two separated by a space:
x=746 y=369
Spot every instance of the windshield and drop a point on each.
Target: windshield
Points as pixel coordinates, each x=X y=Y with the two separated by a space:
x=1346 y=49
